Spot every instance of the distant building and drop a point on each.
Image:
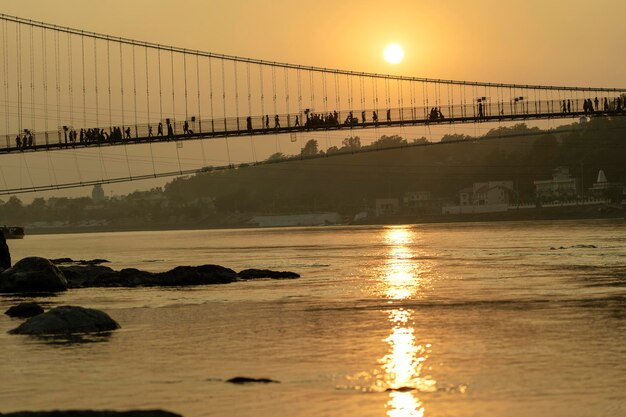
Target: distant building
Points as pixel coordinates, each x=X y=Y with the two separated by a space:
x=414 y=199
x=562 y=186
x=97 y=194
x=387 y=206
x=602 y=188
x=483 y=197
x=486 y=193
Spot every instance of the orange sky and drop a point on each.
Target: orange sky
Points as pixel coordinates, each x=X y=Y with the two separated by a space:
x=561 y=42
x=549 y=42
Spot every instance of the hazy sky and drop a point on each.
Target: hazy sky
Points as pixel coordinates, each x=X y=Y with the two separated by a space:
x=549 y=42
x=571 y=42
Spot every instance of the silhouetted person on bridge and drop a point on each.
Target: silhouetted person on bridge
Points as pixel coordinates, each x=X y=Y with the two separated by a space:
x=606 y=104
x=160 y=129
x=480 y=110
x=30 y=138
x=150 y=131
x=297 y=120
x=375 y=118
x=170 y=130
x=569 y=105
x=388 y=115
x=363 y=116
x=267 y=121
x=564 y=107
x=127 y=131
x=18 y=142
x=618 y=103
x=276 y=122
x=249 y=123
x=597 y=106
x=186 y=128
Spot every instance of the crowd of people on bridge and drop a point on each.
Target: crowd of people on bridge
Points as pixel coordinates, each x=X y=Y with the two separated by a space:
x=71 y=137
x=593 y=106
x=25 y=140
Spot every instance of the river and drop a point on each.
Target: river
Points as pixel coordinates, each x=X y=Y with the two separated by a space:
x=474 y=319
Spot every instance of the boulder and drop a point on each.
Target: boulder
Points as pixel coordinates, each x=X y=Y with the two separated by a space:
x=67 y=320
x=84 y=276
x=24 y=310
x=92 y=413
x=196 y=275
x=32 y=274
x=267 y=273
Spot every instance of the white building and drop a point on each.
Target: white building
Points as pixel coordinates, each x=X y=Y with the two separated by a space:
x=486 y=193
x=483 y=197
x=602 y=188
x=562 y=186
x=387 y=206
x=414 y=199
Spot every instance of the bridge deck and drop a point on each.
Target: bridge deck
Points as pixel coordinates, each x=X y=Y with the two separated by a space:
x=292 y=129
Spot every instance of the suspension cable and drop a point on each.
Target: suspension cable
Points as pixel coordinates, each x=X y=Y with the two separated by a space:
x=18 y=33
x=95 y=69
x=135 y=91
x=32 y=85
x=82 y=56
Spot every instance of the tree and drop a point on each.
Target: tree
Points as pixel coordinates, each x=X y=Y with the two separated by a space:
x=310 y=149
x=275 y=157
x=455 y=137
x=389 y=141
x=351 y=144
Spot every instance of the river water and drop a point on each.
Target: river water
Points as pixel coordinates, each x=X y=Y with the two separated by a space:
x=418 y=320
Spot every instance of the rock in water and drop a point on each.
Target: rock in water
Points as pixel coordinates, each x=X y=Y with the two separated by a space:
x=248 y=380
x=33 y=274
x=267 y=273
x=66 y=320
x=92 y=413
x=5 y=255
x=24 y=310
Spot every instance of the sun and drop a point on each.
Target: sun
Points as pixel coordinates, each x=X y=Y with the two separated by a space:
x=394 y=54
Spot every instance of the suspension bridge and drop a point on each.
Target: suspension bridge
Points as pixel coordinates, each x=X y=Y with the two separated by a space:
x=67 y=89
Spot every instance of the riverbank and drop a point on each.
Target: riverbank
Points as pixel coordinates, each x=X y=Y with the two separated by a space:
x=535 y=214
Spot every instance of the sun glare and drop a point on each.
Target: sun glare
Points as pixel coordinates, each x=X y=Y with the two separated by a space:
x=394 y=53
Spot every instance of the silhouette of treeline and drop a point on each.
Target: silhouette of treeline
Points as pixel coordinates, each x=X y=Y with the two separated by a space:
x=350 y=178
x=353 y=179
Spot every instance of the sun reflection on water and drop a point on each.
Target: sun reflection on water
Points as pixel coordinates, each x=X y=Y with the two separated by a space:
x=403 y=365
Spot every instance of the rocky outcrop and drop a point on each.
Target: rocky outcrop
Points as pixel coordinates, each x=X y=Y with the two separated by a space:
x=67 y=320
x=5 y=254
x=32 y=274
x=23 y=310
x=70 y=261
x=246 y=380
x=92 y=413
x=266 y=273
x=102 y=276
x=40 y=275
